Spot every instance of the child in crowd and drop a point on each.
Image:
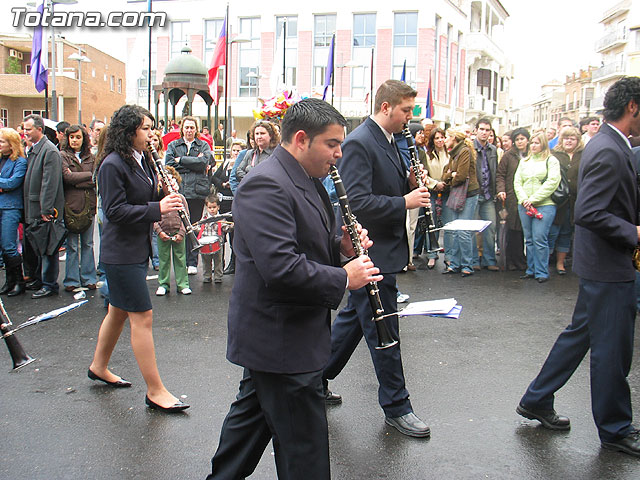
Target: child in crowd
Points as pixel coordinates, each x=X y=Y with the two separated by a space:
x=171 y=243
x=212 y=237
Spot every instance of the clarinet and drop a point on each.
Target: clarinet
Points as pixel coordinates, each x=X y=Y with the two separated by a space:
x=430 y=228
x=167 y=186
x=385 y=340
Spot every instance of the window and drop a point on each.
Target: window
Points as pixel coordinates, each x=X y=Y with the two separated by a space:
x=143 y=83
x=112 y=83
x=483 y=81
x=249 y=57
x=405 y=41
x=4 y=117
x=495 y=86
x=179 y=36
x=291 y=43
x=119 y=85
x=364 y=30
x=26 y=113
x=476 y=17
x=211 y=33
x=324 y=28
x=364 y=38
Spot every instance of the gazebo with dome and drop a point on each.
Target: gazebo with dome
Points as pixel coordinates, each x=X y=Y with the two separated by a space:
x=183 y=75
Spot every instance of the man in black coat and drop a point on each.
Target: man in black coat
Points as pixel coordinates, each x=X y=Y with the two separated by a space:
x=377 y=183
x=288 y=278
x=43 y=198
x=606 y=218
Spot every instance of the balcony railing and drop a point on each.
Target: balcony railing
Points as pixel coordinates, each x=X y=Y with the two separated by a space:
x=611 y=69
x=612 y=39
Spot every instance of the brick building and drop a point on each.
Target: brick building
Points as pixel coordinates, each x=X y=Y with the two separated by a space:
x=434 y=39
x=103 y=82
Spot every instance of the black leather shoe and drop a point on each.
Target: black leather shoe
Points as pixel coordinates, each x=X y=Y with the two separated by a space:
x=43 y=292
x=548 y=418
x=122 y=383
x=331 y=398
x=409 y=424
x=542 y=279
x=526 y=276
x=629 y=444
x=176 y=407
x=34 y=285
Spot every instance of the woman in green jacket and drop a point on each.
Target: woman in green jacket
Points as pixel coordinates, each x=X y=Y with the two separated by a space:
x=536 y=178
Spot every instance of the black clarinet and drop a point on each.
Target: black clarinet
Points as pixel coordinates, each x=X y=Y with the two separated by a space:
x=166 y=182
x=430 y=227
x=385 y=340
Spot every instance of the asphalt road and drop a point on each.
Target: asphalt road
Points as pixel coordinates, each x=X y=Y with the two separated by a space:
x=465 y=377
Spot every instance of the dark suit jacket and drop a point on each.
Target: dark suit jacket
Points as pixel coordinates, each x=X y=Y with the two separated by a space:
x=375 y=182
x=287 y=270
x=43 y=189
x=130 y=204
x=606 y=210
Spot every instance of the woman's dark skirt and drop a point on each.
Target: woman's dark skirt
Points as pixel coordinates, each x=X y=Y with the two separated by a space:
x=128 y=288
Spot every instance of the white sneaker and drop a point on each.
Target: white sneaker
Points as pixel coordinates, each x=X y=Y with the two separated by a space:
x=161 y=291
x=186 y=291
x=402 y=297
x=192 y=270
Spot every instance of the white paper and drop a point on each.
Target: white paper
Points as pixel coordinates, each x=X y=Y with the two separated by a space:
x=470 y=225
x=428 y=307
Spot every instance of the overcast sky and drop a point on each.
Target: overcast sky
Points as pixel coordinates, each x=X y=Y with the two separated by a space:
x=550 y=39
x=545 y=40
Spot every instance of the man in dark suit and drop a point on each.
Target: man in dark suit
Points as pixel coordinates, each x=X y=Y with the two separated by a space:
x=606 y=218
x=288 y=277
x=377 y=183
x=43 y=197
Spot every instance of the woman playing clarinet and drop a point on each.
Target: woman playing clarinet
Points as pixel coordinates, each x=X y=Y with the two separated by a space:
x=129 y=192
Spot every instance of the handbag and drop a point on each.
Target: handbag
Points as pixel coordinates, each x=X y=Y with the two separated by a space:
x=458 y=196
x=81 y=221
x=561 y=195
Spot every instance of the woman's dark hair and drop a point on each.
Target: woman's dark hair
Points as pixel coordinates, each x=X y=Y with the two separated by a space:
x=618 y=97
x=122 y=128
x=520 y=131
x=85 y=149
x=432 y=137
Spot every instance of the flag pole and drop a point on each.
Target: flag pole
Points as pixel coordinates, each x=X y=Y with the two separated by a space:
x=46 y=100
x=150 y=8
x=284 y=52
x=227 y=108
x=371 y=91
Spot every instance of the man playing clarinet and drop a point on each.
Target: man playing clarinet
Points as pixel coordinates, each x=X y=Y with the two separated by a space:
x=288 y=257
x=377 y=183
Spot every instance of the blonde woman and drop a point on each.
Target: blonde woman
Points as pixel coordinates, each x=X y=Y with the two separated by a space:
x=460 y=170
x=568 y=152
x=536 y=178
x=13 y=166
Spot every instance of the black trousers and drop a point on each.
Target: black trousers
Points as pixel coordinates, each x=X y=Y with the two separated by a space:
x=289 y=409
x=603 y=321
x=354 y=321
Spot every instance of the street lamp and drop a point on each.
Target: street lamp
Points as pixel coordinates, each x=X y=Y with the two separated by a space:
x=80 y=58
x=54 y=99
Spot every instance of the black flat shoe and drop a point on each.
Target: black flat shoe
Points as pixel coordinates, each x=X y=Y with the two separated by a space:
x=176 y=407
x=122 y=383
x=526 y=276
x=409 y=424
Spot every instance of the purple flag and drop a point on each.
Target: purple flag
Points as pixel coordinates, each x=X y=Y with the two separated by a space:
x=39 y=53
x=329 y=74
